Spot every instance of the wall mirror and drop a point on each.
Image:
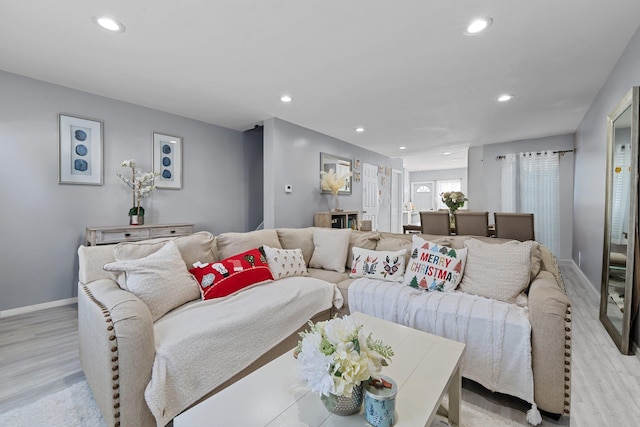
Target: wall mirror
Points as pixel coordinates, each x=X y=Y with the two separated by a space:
x=617 y=307
x=341 y=166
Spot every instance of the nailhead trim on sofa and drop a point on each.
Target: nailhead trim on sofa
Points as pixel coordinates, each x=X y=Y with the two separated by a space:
x=115 y=383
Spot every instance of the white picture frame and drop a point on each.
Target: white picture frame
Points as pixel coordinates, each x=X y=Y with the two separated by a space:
x=80 y=149
x=167 y=161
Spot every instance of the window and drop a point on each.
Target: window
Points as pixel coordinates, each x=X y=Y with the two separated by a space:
x=423 y=189
x=447 y=185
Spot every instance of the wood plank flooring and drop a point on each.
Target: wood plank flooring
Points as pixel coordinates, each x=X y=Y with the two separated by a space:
x=39 y=355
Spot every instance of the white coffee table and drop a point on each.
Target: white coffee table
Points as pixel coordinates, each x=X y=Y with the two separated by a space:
x=425 y=367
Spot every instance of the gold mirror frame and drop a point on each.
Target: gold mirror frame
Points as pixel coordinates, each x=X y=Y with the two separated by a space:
x=341 y=166
x=616 y=309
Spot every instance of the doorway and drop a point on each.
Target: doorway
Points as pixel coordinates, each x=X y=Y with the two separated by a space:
x=370 y=194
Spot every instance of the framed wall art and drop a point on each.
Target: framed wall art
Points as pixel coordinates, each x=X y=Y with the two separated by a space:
x=167 y=160
x=79 y=150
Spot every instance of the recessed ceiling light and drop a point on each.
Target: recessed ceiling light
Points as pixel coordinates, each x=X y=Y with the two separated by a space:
x=479 y=25
x=504 y=98
x=446 y=153
x=360 y=129
x=286 y=98
x=109 y=23
x=402 y=148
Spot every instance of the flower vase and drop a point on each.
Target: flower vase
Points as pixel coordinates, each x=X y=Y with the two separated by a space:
x=452 y=220
x=336 y=203
x=344 y=405
x=136 y=216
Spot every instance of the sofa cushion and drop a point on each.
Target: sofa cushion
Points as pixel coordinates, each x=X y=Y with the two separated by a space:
x=160 y=280
x=327 y=275
x=361 y=239
x=434 y=267
x=501 y=271
x=233 y=274
x=285 y=262
x=330 y=248
x=230 y=244
x=381 y=265
x=193 y=248
x=297 y=238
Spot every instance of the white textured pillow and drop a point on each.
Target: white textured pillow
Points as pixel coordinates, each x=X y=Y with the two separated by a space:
x=498 y=271
x=285 y=262
x=381 y=265
x=330 y=247
x=160 y=280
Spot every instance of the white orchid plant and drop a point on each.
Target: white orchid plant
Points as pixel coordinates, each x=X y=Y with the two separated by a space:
x=141 y=184
x=336 y=355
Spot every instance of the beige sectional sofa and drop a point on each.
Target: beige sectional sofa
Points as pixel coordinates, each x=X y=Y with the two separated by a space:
x=120 y=343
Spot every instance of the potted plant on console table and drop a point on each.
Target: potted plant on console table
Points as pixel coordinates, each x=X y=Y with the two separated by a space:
x=141 y=184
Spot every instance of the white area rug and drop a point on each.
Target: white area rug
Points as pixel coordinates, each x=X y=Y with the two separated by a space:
x=74 y=407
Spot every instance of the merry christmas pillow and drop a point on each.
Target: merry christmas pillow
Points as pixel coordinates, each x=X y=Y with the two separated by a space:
x=232 y=274
x=434 y=267
x=381 y=265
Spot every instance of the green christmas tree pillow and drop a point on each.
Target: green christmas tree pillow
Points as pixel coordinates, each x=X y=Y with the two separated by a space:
x=434 y=267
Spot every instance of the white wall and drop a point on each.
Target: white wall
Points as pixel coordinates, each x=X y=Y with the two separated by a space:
x=484 y=170
x=590 y=173
x=42 y=223
x=292 y=156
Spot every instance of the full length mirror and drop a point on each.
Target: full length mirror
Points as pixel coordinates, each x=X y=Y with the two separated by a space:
x=616 y=296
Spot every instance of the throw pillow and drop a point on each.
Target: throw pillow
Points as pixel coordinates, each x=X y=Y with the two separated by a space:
x=361 y=239
x=381 y=265
x=160 y=280
x=434 y=267
x=285 y=262
x=297 y=238
x=330 y=248
x=233 y=274
x=230 y=244
x=387 y=243
x=498 y=271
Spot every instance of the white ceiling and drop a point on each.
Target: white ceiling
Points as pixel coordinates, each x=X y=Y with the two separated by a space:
x=405 y=71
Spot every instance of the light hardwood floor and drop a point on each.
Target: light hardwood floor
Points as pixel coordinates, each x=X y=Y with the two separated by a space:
x=39 y=355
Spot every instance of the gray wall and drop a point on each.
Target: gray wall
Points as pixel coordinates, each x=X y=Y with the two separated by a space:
x=292 y=156
x=484 y=173
x=590 y=174
x=254 y=175
x=42 y=223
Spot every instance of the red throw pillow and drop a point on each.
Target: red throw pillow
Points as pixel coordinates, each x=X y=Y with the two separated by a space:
x=232 y=274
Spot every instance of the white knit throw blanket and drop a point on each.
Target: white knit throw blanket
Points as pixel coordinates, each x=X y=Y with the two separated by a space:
x=497 y=335
x=202 y=345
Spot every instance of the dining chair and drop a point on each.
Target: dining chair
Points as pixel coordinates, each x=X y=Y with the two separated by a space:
x=516 y=226
x=435 y=222
x=472 y=223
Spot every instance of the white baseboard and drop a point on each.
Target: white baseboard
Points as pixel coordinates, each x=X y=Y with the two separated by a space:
x=37 y=307
x=583 y=277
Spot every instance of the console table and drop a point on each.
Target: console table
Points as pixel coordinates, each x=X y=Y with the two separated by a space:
x=131 y=233
x=336 y=219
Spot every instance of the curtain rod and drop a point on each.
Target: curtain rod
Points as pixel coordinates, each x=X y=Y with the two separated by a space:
x=561 y=152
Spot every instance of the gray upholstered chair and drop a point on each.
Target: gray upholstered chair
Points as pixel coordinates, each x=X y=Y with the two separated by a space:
x=435 y=222
x=517 y=226
x=472 y=223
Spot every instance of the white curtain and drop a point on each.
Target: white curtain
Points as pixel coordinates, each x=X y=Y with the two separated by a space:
x=539 y=189
x=508 y=189
x=619 y=196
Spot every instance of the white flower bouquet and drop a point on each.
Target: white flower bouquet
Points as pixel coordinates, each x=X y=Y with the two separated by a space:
x=333 y=182
x=336 y=356
x=454 y=200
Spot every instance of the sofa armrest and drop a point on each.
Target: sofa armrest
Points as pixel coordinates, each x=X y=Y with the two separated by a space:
x=550 y=317
x=117 y=351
